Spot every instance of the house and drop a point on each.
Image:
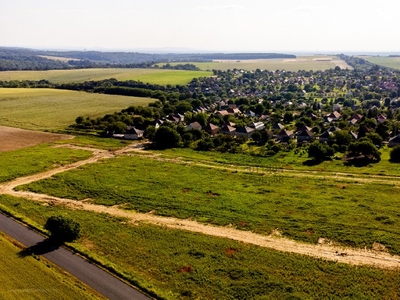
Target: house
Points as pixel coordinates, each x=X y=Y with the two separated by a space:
x=257 y=125
x=158 y=123
x=211 y=129
x=305 y=136
x=312 y=116
x=173 y=119
x=250 y=113
x=394 y=141
x=356 y=116
x=333 y=116
x=323 y=138
x=133 y=133
x=228 y=130
x=194 y=125
x=381 y=118
x=354 y=135
x=302 y=128
x=234 y=111
x=284 y=135
x=222 y=113
x=333 y=129
x=245 y=132
x=278 y=126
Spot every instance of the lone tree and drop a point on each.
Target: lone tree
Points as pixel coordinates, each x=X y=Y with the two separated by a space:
x=63 y=229
x=166 y=137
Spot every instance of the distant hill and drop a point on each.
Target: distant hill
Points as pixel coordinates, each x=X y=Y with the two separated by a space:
x=29 y=59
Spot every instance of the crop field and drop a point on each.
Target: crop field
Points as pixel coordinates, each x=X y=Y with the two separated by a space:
x=15 y=138
x=386 y=61
x=304 y=208
x=300 y=63
x=177 y=264
x=154 y=76
x=36 y=159
x=50 y=109
x=34 y=278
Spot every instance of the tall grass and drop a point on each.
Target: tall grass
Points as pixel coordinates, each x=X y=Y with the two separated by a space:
x=352 y=213
x=182 y=265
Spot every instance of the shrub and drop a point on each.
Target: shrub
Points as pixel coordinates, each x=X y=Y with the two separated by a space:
x=395 y=154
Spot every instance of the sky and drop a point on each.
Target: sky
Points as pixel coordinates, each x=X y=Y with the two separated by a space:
x=289 y=26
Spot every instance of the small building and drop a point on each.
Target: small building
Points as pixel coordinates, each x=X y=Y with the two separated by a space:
x=284 y=136
x=234 y=111
x=305 y=136
x=211 y=129
x=228 y=130
x=133 y=133
x=394 y=141
x=194 y=125
x=323 y=138
x=245 y=132
x=257 y=125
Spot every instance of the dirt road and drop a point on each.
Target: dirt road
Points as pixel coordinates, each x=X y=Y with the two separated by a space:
x=275 y=241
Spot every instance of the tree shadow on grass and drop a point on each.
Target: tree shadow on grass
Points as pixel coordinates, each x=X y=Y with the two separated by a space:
x=360 y=162
x=312 y=162
x=43 y=247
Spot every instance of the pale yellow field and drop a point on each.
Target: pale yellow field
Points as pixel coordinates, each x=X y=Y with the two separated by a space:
x=154 y=76
x=300 y=63
x=50 y=109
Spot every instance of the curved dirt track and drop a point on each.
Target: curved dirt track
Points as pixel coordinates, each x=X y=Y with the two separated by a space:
x=276 y=242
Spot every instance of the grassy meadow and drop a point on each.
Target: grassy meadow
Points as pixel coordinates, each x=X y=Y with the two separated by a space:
x=181 y=265
x=154 y=76
x=304 y=208
x=300 y=63
x=386 y=61
x=34 y=278
x=286 y=160
x=23 y=162
x=51 y=109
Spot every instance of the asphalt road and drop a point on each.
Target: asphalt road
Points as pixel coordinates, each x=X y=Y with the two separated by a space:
x=101 y=281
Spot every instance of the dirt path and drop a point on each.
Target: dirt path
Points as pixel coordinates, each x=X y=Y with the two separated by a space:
x=323 y=250
x=338 y=176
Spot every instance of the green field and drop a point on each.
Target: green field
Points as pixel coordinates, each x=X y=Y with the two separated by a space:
x=287 y=160
x=301 y=63
x=386 y=61
x=303 y=208
x=182 y=265
x=154 y=76
x=23 y=162
x=34 y=278
x=50 y=109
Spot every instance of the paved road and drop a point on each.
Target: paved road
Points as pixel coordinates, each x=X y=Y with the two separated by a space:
x=90 y=274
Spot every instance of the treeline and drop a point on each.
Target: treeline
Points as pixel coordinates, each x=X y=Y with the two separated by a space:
x=187 y=67
x=28 y=59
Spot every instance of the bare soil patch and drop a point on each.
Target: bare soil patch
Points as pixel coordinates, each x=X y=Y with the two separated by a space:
x=15 y=138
